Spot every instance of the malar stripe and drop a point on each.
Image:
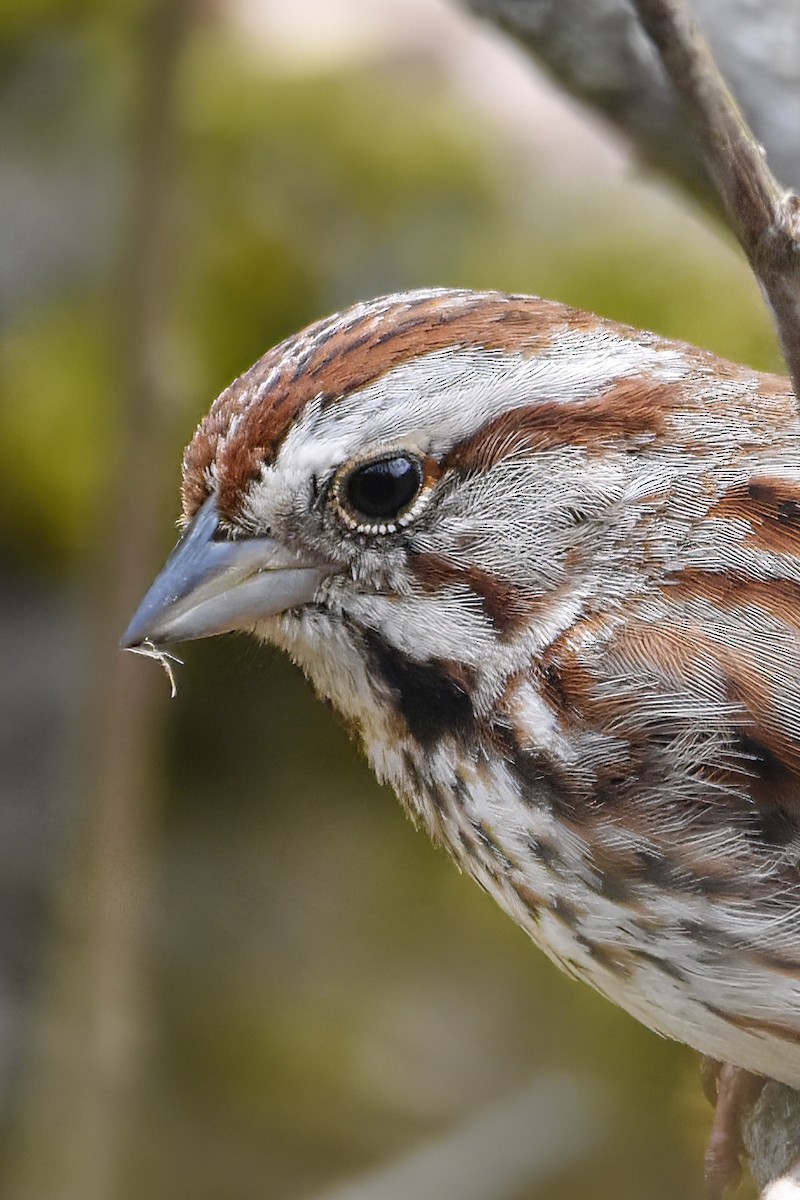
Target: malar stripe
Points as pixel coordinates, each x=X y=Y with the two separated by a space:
x=432 y=698
x=634 y=410
x=507 y=607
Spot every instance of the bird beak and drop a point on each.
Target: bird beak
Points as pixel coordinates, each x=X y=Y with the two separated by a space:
x=210 y=584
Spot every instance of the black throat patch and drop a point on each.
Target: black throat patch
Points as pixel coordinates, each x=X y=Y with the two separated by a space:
x=429 y=697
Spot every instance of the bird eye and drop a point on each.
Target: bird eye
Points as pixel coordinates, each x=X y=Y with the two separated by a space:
x=381 y=491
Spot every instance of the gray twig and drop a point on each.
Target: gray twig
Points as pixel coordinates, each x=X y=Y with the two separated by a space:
x=771 y=1135
x=764 y=217
x=598 y=52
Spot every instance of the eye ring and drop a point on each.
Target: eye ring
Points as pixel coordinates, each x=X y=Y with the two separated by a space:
x=383 y=494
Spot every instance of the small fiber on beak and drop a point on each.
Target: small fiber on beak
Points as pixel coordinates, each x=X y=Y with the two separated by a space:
x=149 y=650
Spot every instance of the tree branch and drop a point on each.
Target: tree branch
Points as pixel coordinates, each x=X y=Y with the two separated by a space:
x=764 y=217
x=597 y=51
x=771 y=1135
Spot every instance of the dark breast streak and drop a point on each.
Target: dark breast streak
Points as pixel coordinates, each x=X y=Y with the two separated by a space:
x=431 y=698
x=772 y=508
x=708 y=727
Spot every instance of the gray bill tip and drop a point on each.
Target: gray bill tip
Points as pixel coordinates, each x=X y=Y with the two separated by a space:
x=141 y=633
x=212 y=585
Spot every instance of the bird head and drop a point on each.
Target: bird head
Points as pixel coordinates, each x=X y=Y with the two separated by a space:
x=413 y=496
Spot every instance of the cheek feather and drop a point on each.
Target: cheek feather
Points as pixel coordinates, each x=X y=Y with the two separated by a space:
x=505 y=607
x=453 y=625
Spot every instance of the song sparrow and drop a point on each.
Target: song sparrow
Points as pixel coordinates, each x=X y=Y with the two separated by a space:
x=548 y=568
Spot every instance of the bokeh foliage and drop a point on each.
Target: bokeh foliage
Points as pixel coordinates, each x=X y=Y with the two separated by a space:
x=323 y=988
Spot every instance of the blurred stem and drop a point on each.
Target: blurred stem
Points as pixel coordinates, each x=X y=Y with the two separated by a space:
x=511 y=1146
x=92 y=1029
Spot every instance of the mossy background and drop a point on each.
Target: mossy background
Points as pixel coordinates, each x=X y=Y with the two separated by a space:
x=300 y=986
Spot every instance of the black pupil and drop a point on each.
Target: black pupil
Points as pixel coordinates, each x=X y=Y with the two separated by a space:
x=382 y=489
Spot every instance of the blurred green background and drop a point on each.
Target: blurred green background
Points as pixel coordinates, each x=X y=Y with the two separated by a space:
x=229 y=968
